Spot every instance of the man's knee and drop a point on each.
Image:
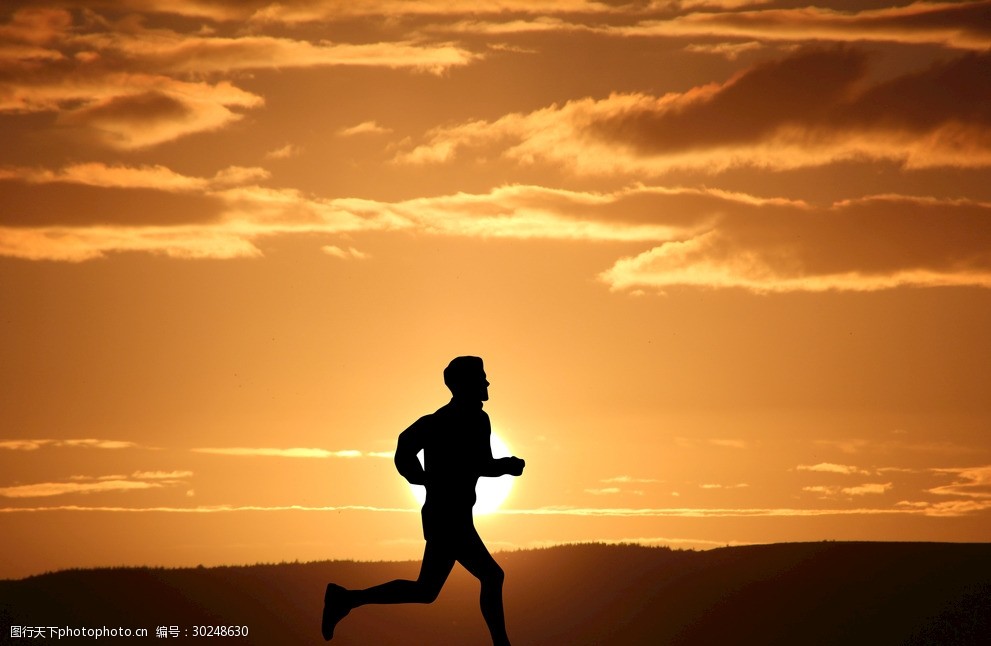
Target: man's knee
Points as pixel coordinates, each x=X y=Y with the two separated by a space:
x=493 y=575
x=427 y=592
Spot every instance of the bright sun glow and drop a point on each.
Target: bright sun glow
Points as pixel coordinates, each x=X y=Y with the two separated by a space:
x=490 y=492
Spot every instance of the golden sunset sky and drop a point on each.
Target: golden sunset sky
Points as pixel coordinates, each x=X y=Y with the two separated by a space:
x=728 y=264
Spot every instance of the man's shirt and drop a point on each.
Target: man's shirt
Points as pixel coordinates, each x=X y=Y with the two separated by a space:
x=455 y=441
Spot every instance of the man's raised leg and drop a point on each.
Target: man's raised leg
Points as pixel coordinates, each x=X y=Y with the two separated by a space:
x=438 y=561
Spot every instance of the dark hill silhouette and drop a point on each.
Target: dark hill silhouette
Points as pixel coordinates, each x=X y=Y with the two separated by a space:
x=796 y=593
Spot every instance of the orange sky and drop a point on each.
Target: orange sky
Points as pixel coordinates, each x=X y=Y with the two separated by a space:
x=728 y=264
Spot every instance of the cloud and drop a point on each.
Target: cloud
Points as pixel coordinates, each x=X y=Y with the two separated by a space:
x=729 y=51
x=307 y=11
x=46 y=489
x=23 y=445
x=79 y=484
x=162 y=475
x=285 y=152
x=954 y=508
x=695 y=237
x=740 y=485
x=958 y=25
x=244 y=214
x=864 y=489
x=961 y=25
x=139 y=120
x=725 y=443
x=928 y=243
x=828 y=491
x=344 y=254
x=860 y=445
x=728 y=444
x=171 y=52
x=825 y=110
x=629 y=480
x=602 y=512
x=632 y=512
x=205 y=509
x=154 y=177
x=364 y=128
x=824 y=491
x=282 y=453
x=605 y=491
x=127 y=87
x=36 y=25
x=829 y=467
x=969 y=482
x=32 y=445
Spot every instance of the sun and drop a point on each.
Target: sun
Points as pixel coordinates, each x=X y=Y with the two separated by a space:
x=490 y=493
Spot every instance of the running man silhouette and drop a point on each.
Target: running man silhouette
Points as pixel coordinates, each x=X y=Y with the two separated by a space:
x=456 y=452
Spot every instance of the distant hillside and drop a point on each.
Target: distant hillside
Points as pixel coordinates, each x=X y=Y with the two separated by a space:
x=788 y=594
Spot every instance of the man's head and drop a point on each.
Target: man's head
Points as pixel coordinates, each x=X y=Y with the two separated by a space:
x=465 y=376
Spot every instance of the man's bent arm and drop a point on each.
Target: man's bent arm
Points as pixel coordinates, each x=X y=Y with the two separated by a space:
x=495 y=467
x=406 y=462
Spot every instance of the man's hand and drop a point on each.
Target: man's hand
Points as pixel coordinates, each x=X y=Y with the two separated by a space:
x=514 y=466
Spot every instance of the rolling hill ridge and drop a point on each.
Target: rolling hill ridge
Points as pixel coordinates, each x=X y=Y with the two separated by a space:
x=792 y=593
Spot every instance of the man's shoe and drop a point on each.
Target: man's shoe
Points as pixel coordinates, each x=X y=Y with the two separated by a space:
x=335 y=608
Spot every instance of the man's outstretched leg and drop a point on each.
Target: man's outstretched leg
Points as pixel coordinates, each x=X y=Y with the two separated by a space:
x=474 y=556
x=437 y=564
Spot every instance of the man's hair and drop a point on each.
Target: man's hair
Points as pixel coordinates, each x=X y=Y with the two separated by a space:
x=459 y=368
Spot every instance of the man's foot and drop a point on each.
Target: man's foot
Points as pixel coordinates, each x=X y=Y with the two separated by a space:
x=335 y=608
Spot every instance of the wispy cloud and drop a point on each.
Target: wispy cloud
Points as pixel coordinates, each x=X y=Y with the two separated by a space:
x=119 y=176
x=812 y=250
x=162 y=475
x=953 y=508
x=205 y=509
x=950 y=508
x=345 y=254
x=307 y=11
x=284 y=152
x=180 y=53
x=629 y=480
x=829 y=467
x=739 y=485
x=855 y=446
x=92 y=443
x=832 y=491
x=246 y=213
x=729 y=51
x=865 y=489
x=711 y=512
x=728 y=444
x=961 y=25
x=364 y=128
x=123 y=84
x=826 y=110
x=79 y=484
x=699 y=237
x=969 y=482
x=284 y=453
x=46 y=489
x=97 y=444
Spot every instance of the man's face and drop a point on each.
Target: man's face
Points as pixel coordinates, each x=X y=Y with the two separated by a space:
x=475 y=387
x=482 y=386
